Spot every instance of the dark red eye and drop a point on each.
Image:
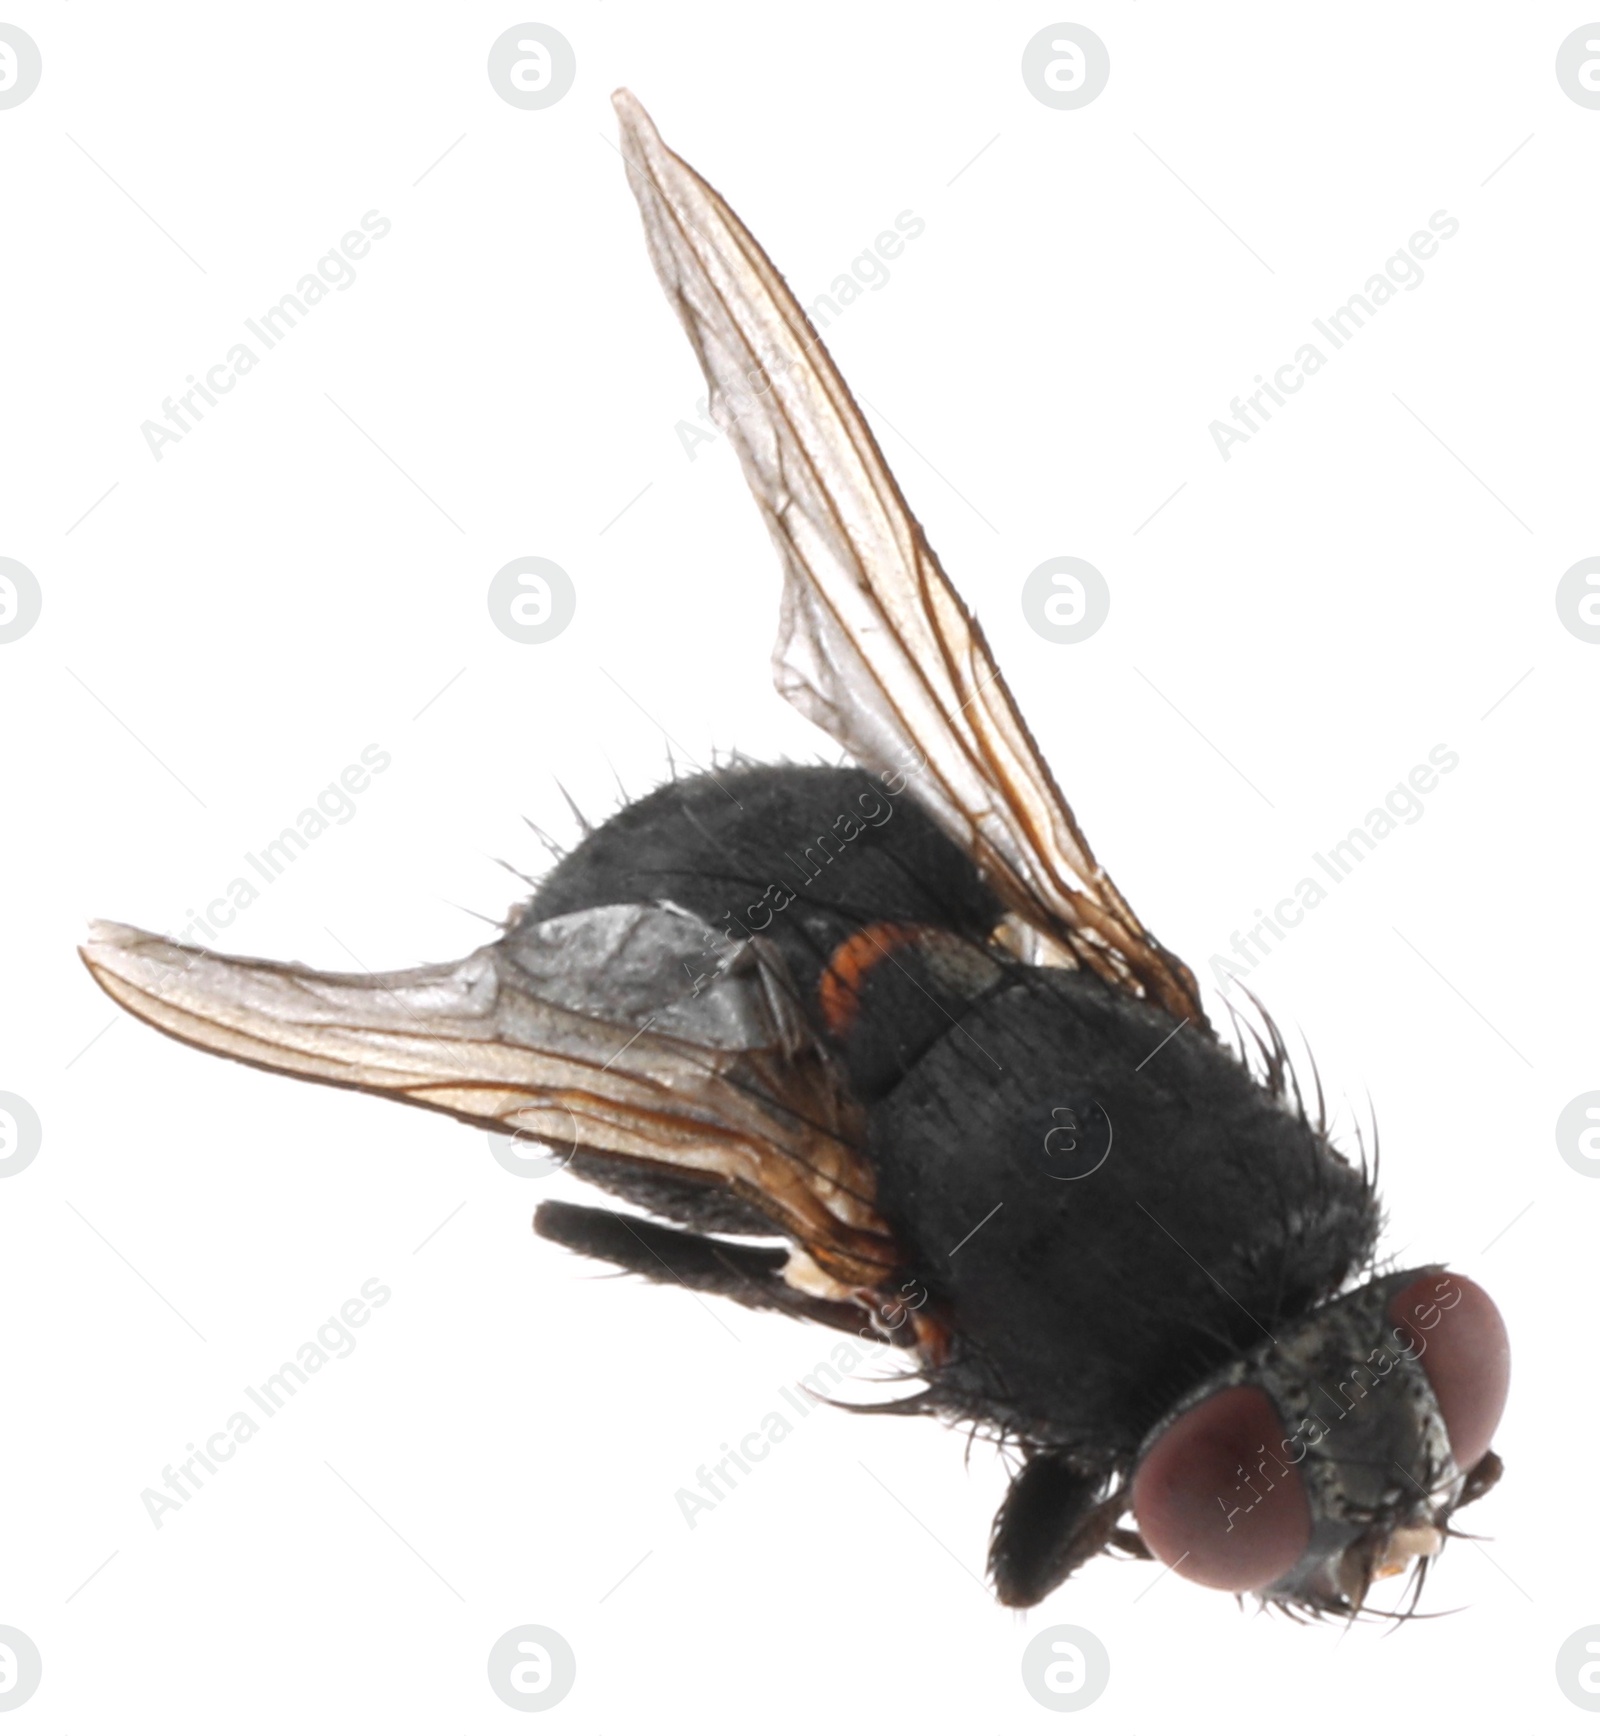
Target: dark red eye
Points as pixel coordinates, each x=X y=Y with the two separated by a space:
x=1217 y=1497
x=1457 y=1331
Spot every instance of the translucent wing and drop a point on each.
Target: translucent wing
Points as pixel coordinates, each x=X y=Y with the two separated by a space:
x=579 y=1031
x=874 y=644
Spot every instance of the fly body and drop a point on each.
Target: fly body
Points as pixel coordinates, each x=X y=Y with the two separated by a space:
x=882 y=1046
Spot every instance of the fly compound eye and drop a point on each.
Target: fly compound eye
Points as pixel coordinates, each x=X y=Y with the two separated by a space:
x=1217 y=1497
x=1452 y=1327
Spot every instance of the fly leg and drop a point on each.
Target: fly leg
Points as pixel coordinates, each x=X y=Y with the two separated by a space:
x=751 y=1276
x=1481 y=1479
x=699 y=1203
x=1051 y=1522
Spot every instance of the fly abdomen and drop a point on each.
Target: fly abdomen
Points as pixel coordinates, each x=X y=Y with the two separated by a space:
x=879 y=916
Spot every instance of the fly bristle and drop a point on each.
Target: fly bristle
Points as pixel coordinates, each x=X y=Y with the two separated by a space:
x=577 y=812
x=1272 y=1054
x=477 y=915
x=544 y=838
x=526 y=879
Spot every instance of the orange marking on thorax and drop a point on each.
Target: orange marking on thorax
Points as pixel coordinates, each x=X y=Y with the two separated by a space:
x=839 y=989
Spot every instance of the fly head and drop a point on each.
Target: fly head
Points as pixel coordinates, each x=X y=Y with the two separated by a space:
x=1335 y=1452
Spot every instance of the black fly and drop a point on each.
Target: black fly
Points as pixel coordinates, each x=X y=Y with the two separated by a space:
x=885 y=1048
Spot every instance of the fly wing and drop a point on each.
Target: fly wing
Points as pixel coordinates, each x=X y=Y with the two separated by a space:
x=583 y=1031
x=874 y=644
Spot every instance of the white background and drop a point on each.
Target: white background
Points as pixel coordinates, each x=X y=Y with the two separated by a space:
x=1326 y=606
